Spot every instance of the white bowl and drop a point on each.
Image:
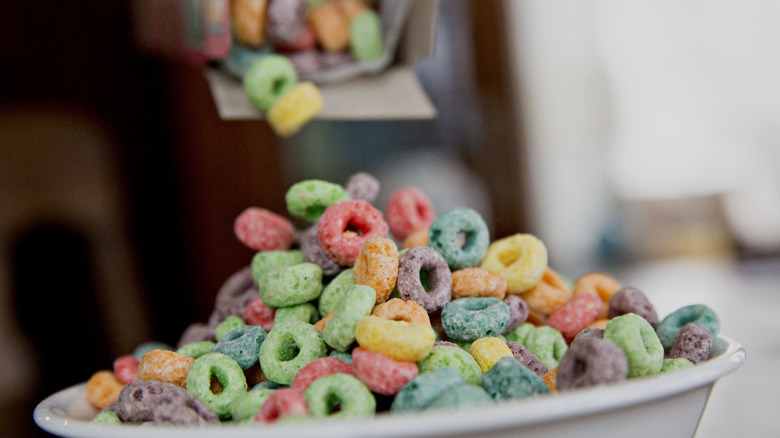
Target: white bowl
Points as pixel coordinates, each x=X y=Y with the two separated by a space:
x=668 y=405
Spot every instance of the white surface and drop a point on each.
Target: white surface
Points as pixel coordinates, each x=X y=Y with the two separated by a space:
x=669 y=405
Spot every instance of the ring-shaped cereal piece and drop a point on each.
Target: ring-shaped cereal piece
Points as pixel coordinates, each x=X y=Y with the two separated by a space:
x=528 y=359
x=282 y=403
x=425 y=389
x=263 y=230
x=268 y=261
x=103 y=388
x=308 y=199
x=700 y=314
x=477 y=282
x=518 y=311
x=468 y=319
x=445 y=233
x=334 y=291
x=246 y=406
x=601 y=284
x=417 y=238
x=636 y=337
x=521 y=259
x=693 y=343
x=268 y=79
x=488 y=351
x=305 y=312
x=313 y=253
x=345 y=226
x=358 y=302
x=575 y=315
x=292 y=285
x=363 y=186
x=165 y=366
x=227 y=372
x=548 y=295
x=632 y=300
x=407 y=210
x=343 y=390
x=400 y=340
x=591 y=361
x=447 y=354
x=321 y=367
x=290 y=346
x=508 y=379
x=377 y=266
x=242 y=344
x=397 y=309
x=412 y=264
x=382 y=374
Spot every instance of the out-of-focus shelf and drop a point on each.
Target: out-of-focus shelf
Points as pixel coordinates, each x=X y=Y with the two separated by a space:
x=394 y=94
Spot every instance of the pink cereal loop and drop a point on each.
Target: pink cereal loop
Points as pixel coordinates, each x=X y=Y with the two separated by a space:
x=408 y=210
x=263 y=230
x=282 y=403
x=321 y=367
x=345 y=226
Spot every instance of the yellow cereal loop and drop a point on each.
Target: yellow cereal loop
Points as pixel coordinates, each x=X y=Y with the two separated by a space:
x=488 y=350
x=377 y=266
x=521 y=259
x=399 y=340
x=296 y=107
x=417 y=238
x=397 y=309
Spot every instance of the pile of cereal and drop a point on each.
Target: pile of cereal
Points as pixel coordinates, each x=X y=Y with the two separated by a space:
x=338 y=321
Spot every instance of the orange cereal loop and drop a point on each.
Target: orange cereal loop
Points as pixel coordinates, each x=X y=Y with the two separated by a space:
x=248 y=17
x=351 y=8
x=320 y=325
x=103 y=389
x=547 y=296
x=165 y=366
x=417 y=238
x=599 y=283
x=397 y=309
x=330 y=25
x=599 y=323
x=477 y=282
x=377 y=266
x=549 y=378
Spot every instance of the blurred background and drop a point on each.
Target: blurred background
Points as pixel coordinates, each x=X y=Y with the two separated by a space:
x=638 y=138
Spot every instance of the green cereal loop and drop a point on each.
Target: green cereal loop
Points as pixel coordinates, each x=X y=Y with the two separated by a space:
x=520 y=333
x=335 y=290
x=462 y=397
x=358 y=303
x=343 y=390
x=196 y=349
x=268 y=261
x=547 y=344
x=457 y=358
x=636 y=337
x=305 y=312
x=509 y=379
x=678 y=364
x=246 y=406
x=445 y=231
x=365 y=31
x=292 y=285
x=228 y=325
x=230 y=376
x=268 y=79
x=668 y=329
x=424 y=389
x=308 y=199
x=290 y=346
x=106 y=417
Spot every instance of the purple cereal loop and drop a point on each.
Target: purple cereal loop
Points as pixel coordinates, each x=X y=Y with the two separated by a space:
x=306 y=62
x=693 y=343
x=161 y=403
x=589 y=332
x=632 y=300
x=363 y=186
x=313 y=253
x=527 y=358
x=591 y=361
x=439 y=278
x=285 y=19
x=518 y=311
x=233 y=296
x=196 y=332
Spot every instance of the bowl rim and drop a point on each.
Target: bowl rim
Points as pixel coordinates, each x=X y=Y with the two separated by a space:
x=51 y=413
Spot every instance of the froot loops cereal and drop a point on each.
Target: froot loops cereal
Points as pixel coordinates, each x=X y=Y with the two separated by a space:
x=456 y=323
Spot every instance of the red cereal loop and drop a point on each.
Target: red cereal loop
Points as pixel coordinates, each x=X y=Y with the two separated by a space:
x=126 y=368
x=380 y=373
x=257 y=313
x=345 y=226
x=282 y=403
x=321 y=367
x=408 y=210
x=575 y=315
x=263 y=230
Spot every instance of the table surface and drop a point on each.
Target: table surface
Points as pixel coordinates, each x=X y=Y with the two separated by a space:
x=745 y=296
